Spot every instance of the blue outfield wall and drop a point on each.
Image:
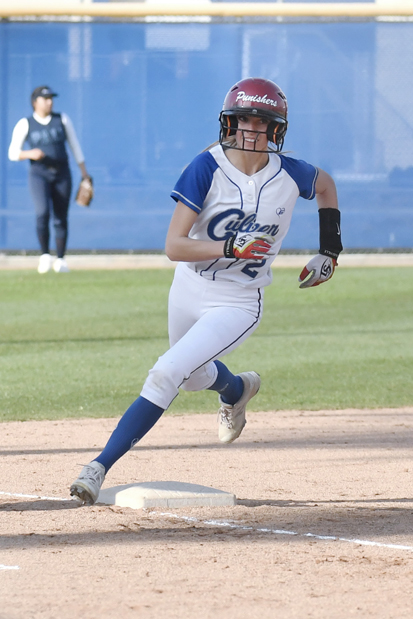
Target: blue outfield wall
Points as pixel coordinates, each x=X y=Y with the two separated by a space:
x=145 y=97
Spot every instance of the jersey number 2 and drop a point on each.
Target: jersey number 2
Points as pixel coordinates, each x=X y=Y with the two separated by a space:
x=249 y=268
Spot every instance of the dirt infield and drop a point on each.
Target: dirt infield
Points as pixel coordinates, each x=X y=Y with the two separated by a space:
x=322 y=528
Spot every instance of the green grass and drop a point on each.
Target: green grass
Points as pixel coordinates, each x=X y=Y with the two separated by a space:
x=81 y=345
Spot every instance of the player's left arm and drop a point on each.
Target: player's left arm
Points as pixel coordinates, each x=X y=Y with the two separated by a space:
x=321 y=267
x=74 y=145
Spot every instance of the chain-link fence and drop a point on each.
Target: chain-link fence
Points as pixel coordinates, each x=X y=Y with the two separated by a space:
x=144 y=97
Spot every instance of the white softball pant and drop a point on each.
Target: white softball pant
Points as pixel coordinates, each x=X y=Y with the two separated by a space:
x=206 y=320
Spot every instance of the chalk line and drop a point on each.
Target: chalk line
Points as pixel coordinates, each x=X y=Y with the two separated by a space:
x=32 y=496
x=334 y=538
x=230 y=525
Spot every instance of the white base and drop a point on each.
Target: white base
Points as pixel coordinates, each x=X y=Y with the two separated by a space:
x=165 y=494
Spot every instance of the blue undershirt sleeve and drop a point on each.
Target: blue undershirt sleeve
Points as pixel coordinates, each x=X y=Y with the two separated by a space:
x=195 y=182
x=303 y=174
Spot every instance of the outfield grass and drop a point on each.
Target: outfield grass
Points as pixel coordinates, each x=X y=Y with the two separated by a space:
x=81 y=344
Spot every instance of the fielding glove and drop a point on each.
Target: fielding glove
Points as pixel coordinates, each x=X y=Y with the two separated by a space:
x=85 y=192
x=320 y=268
x=248 y=246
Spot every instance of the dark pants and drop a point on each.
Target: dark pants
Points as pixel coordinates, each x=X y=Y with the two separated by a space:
x=50 y=189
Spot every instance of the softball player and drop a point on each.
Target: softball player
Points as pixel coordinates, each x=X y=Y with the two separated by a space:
x=234 y=206
x=50 y=180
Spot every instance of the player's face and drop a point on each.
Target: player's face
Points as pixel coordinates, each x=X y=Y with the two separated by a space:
x=43 y=105
x=251 y=133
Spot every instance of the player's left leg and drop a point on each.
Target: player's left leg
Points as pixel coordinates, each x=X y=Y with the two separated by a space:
x=189 y=363
x=61 y=190
x=235 y=391
x=227 y=327
x=190 y=297
x=231 y=413
x=230 y=386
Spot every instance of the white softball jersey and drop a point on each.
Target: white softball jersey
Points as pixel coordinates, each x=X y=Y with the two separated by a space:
x=228 y=201
x=216 y=305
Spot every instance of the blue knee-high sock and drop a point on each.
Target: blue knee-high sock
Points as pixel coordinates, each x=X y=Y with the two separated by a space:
x=140 y=417
x=229 y=386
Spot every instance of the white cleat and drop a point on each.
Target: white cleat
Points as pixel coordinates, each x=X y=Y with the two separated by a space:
x=45 y=263
x=60 y=266
x=87 y=486
x=231 y=417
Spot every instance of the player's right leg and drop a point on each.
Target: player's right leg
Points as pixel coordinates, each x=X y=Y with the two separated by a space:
x=87 y=486
x=217 y=331
x=40 y=192
x=140 y=417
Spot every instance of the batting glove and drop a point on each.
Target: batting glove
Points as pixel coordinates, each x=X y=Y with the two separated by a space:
x=248 y=246
x=320 y=268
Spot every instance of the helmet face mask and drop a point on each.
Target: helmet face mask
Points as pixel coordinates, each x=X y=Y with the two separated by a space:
x=254 y=97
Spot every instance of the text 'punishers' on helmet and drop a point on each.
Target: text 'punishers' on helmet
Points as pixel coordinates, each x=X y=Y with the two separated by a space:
x=259 y=97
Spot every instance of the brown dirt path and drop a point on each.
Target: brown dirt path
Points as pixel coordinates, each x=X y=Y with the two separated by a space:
x=344 y=474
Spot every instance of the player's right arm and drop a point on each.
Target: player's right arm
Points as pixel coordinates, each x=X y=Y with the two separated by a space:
x=180 y=248
x=16 y=152
x=189 y=193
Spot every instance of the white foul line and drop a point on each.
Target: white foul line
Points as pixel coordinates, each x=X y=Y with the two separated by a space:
x=9 y=567
x=218 y=523
x=32 y=496
x=334 y=538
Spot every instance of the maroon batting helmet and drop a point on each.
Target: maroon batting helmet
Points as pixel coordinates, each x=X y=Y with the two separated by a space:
x=255 y=96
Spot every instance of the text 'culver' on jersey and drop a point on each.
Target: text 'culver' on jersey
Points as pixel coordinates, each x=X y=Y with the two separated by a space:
x=228 y=201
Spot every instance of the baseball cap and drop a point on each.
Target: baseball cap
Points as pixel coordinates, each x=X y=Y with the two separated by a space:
x=42 y=91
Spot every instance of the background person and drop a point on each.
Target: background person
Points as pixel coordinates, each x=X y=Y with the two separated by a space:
x=50 y=181
x=234 y=207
